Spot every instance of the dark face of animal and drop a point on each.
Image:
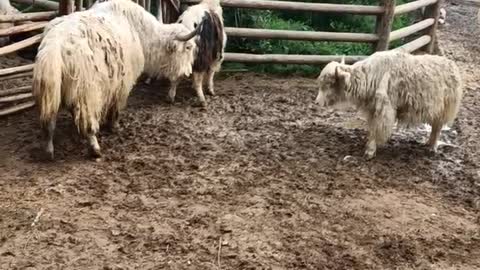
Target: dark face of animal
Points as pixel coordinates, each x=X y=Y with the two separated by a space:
x=332 y=84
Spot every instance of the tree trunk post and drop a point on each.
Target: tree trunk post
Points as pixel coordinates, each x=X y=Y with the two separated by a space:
x=384 y=25
x=432 y=11
x=65 y=7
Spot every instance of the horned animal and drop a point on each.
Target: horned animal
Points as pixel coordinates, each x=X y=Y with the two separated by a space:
x=395 y=86
x=89 y=61
x=211 y=42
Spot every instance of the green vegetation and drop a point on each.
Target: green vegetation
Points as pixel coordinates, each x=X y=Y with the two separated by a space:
x=302 y=21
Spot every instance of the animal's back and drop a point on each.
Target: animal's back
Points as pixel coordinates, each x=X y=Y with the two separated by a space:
x=101 y=58
x=421 y=87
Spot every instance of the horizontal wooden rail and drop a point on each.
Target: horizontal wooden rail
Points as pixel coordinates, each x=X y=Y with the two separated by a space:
x=33 y=16
x=414 y=28
x=298 y=6
x=15 y=97
x=21 y=44
x=299 y=35
x=22 y=28
x=415 y=44
x=19 y=90
x=289 y=59
x=17 y=108
x=16 y=76
x=41 y=3
x=408 y=7
x=16 y=70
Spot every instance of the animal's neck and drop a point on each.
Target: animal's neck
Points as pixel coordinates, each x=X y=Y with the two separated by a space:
x=358 y=89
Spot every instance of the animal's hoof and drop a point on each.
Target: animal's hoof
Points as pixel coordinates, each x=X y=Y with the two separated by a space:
x=113 y=128
x=95 y=153
x=369 y=154
x=171 y=100
x=433 y=149
x=211 y=92
x=49 y=155
x=201 y=104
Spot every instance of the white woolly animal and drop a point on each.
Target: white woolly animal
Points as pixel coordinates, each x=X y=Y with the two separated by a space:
x=211 y=42
x=6 y=9
x=395 y=86
x=89 y=61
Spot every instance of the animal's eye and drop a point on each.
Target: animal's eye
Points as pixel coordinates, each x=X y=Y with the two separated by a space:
x=179 y=21
x=195 y=25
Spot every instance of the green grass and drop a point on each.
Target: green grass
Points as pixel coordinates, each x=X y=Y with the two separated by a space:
x=303 y=21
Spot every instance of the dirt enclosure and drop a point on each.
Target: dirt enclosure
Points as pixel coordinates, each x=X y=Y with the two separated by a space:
x=263 y=179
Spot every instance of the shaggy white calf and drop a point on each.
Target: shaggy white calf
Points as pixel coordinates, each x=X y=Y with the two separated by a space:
x=210 y=42
x=395 y=86
x=89 y=61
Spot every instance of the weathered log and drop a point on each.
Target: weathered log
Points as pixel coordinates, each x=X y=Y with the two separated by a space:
x=159 y=11
x=20 y=45
x=298 y=6
x=411 y=6
x=22 y=28
x=33 y=16
x=41 y=3
x=433 y=12
x=15 y=70
x=78 y=5
x=16 y=76
x=289 y=59
x=15 y=97
x=148 y=4
x=66 y=7
x=414 y=28
x=415 y=44
x=13 y=91
x=384 y=25
x=17 y=108
x=299 y=35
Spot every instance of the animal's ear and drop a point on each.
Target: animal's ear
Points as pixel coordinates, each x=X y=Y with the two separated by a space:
x=342 y=74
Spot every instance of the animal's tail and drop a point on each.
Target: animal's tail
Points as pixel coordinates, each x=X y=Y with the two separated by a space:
x=452 y=104
x=47 y=81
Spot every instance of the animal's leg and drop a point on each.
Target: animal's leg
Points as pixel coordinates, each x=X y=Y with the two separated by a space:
x=382 y=119
x=172 y=92
x=197 y=85
x=434 y=136
x=94 y=146
x=371 y=147
x=49 y=130
x=210 y=75
x=112 y=119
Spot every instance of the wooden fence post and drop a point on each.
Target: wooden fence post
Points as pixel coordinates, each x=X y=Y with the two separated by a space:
x=65 y=7
x=432 y=11
x=78 y=5
x=160 y=11
x=384 y=25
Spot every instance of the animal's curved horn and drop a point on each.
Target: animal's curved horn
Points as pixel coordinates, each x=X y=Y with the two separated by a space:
x=190 y=35
x=343 y=60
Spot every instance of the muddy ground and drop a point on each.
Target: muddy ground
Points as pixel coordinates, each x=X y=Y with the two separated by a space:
x=261 y=180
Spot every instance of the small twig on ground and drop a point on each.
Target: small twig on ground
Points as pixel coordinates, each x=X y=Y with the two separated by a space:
x=35 y=221
x=219 y=251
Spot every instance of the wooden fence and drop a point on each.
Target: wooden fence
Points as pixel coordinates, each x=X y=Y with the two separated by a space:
x=380 y=39
x=169 y=10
